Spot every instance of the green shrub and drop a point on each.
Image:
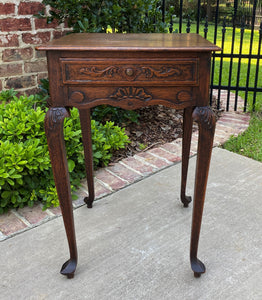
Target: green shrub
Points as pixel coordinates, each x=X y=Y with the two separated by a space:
x=117 y=115
x=7 y=95
x=25 y=168
x=119 y=16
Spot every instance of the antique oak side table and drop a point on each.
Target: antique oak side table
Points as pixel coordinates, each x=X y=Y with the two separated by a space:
x=129 y=71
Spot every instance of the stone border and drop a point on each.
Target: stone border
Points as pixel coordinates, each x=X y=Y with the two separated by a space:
x=122 y=174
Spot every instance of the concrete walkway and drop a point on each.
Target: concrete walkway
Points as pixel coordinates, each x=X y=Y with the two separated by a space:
x=134 y=244
x=120 y=175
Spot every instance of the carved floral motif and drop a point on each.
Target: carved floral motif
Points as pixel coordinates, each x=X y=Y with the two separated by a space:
x=95 y=72
x=124 y=72
x=204 y=116
x=131 y=93
x=131 y=96
x=55 y=116
x=163 y=72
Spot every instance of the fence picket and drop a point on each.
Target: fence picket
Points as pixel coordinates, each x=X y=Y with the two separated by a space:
x=257 y=65
x=221 y=62
x=250 y=12
x=239 y=60
x=250 y=53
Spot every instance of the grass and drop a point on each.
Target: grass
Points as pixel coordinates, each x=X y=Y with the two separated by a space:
x=228 y=37
x=248 y=143
x=243 y=62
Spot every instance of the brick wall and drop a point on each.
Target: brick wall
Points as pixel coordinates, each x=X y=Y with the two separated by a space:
x=21 y=66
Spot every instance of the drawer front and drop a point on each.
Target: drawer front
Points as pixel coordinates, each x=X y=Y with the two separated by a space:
x=131 y=97
x=130 y=72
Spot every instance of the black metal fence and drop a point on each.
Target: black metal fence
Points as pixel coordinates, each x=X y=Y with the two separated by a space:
x=235 y=26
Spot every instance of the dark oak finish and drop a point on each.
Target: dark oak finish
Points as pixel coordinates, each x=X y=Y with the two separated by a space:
x=87 y=141
x=129 y=71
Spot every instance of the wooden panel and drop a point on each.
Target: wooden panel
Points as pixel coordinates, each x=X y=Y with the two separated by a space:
x=128 y=71
x=135 y=42
x=131 y=97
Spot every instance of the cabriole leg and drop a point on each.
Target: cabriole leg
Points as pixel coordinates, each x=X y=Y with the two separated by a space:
x=54 y=121
x=186 y=142
x=205 y=118
x=87 y=141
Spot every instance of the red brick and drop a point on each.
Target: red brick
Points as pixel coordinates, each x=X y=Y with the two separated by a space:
x=100 y=190
x=40 y=76
x=21 y=82
x=30 y=8
x=233 y=120
x=226 y=131
x=17 y=54
x=178 y=143
x=9 y=223
x=40 y=54
x=151 y=159
x=42 y=24
x=58 y=34
x=35 y=66
x=165 y=154
x=29 y=91
x=9 y=40
x=237 y=115
x=33 y=215
x=7 y=9
x=172 y=147
x=12 y=24
x=66 y=24
x=10 y=69
x=194 y=137
x=194 y=146
x=124 y=172
x=55 y=210
x=220 y=140
x=38 y=38
x=245 y=117
x=106 y=177
x=137 y=165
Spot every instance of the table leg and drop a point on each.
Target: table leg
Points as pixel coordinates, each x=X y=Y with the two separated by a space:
x=54 y=121
x=87 y=141
x=205 y=118
x=186 y=142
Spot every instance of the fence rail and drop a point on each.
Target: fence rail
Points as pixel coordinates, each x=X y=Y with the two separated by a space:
x=236 y=26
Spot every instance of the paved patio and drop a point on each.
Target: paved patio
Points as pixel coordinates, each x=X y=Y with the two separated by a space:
x=134 y=243
x=120 y=175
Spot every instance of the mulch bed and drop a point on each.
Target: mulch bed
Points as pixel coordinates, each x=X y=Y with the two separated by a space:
x=157 y=125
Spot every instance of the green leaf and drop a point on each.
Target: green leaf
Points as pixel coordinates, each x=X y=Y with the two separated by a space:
x=71 y=165
x=6 y=194
x=10 y=181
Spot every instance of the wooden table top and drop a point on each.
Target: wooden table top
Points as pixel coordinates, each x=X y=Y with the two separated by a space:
x=131 y=42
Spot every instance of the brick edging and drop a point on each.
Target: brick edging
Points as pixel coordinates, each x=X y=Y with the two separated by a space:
x=122 y=174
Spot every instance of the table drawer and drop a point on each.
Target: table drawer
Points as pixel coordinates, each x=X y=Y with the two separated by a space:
x=130 y=72
x=131 y=97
